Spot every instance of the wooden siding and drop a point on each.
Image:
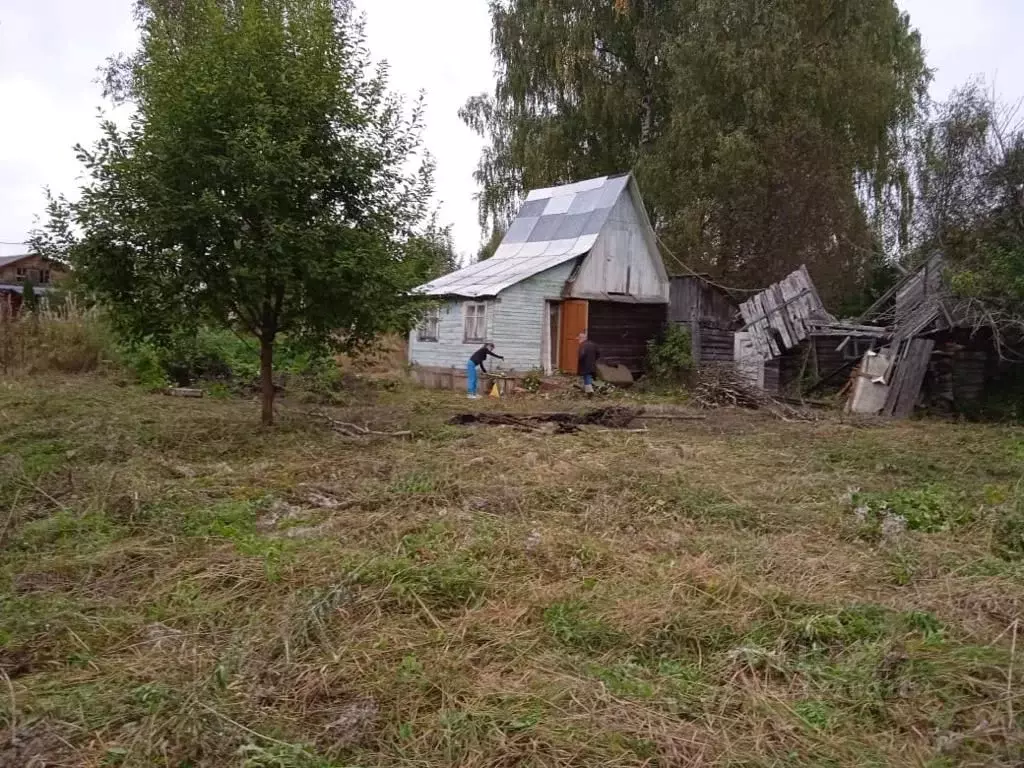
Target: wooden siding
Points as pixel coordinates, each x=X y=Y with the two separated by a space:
x=709 y=315
x=516 y=323
x=622 y=263
x=450 y=349
x=691 y=298
x=621 y=331
x=32 y=268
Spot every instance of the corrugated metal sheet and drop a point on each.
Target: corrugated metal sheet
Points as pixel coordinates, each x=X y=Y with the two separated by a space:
x=554 y=225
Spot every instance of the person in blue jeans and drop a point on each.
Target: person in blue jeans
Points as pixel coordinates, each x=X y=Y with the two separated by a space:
x=477 y=359
x=589 y=355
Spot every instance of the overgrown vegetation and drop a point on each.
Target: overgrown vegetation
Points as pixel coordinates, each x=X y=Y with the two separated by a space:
x=178 y=589
x=670 y=358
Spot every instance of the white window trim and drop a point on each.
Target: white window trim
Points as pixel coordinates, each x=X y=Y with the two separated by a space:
x=480 y=319
x=432 y=317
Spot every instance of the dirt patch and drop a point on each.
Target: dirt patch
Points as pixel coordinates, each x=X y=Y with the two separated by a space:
x=34 y=746
x=611 y=417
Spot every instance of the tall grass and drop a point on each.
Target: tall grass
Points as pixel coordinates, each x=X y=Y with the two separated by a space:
x=67 y=338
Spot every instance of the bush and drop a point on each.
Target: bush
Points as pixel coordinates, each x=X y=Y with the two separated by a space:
x=670 y=358
x=220 y=355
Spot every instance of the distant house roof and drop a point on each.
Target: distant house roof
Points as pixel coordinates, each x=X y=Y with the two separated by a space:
x=554 y=225
x=6 y=260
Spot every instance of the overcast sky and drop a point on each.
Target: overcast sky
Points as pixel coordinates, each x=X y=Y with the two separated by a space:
x=50 y=49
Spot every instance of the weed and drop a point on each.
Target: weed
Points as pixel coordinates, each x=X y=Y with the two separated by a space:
x=573 y=624
x=930 y=509
x=816 y=715
x=446 y=584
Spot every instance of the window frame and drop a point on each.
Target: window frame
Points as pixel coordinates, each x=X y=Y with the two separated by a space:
x=431 y=320
x=479 y=319
x=857 y=347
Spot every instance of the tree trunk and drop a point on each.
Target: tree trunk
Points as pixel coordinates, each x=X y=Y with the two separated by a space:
x=267 y=379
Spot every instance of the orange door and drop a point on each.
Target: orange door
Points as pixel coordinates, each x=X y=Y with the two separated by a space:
x=574 y=320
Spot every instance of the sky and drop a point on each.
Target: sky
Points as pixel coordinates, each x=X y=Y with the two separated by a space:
x=50 y=51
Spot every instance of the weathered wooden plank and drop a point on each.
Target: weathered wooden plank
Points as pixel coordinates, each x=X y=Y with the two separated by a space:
x=905 y=385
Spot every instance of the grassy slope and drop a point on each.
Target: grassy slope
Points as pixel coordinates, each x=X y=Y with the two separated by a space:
x=179 y=588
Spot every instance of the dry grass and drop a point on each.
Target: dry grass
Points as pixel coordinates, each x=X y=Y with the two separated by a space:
x=178 y=588
x=68 y=339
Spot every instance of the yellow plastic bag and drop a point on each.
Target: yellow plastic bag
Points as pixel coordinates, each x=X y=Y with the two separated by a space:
x=494 y=392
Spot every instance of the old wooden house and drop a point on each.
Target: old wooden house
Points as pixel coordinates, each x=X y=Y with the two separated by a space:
x=577 y=257
x=26 y=269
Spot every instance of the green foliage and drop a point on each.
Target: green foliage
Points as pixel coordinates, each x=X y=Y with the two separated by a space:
x=532 y=380
x=670 y=358
x=216 y=354
x=968 y=176
x=750 y=126
x=573 y=624
x=487 y=249
x=929 y=509
x=263 y=183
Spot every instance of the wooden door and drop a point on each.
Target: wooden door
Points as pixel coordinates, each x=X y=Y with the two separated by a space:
x=574 y=320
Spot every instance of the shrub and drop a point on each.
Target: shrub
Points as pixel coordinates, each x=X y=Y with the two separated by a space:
x=670 y=358
x=221 y=355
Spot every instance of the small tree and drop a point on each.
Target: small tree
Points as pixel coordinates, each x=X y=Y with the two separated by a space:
x=262 y=183
x=29 y=299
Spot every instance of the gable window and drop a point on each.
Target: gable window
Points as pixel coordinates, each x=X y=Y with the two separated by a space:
x=428 y=327
x=475 y=322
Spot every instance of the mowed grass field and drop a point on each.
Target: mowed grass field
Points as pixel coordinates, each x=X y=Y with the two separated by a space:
x=181 y=588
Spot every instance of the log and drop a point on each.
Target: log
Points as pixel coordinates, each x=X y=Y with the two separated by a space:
x=184 y=392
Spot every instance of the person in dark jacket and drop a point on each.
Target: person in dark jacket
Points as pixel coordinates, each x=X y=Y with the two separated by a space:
x=589 y=355
x=477 y=359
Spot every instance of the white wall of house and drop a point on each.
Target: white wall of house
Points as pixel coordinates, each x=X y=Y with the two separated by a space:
x=516 y=324
x=451 y=347
x=622 y=265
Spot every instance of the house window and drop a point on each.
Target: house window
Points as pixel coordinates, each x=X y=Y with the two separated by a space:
x=44 y=277
x=475 y=318
x=20 y=272
x=428 y=327
x=855 y=349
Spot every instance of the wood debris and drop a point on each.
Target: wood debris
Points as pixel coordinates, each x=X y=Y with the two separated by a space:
x=354 y=430
x=612 y=417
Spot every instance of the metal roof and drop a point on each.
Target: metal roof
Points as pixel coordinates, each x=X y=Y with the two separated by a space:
x=554 y=225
